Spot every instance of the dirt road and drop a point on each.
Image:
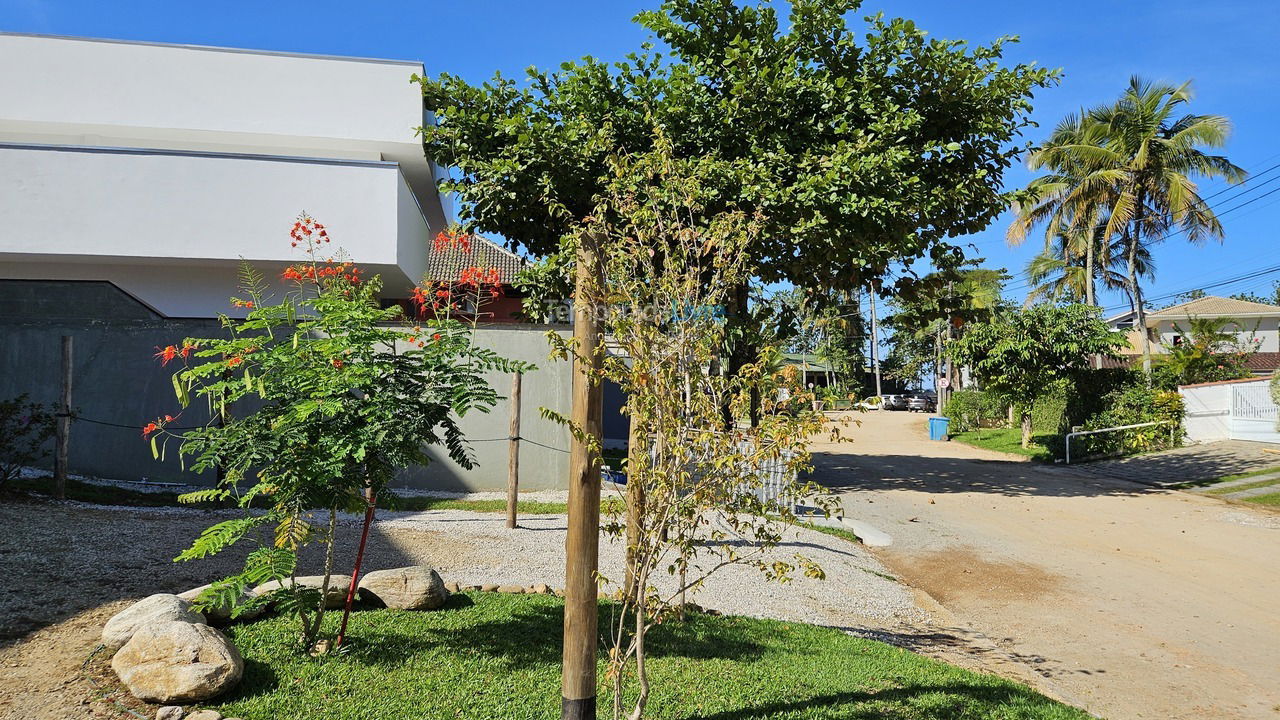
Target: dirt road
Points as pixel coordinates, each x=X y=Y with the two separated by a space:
x=1128 y=601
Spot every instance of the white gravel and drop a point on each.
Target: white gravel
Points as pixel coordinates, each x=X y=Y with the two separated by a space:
x=856 y=592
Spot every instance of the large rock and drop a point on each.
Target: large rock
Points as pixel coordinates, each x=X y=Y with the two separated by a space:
x=220 y=615
x=417 y=587
x=148 y=611
x=178 y=662
x=335 y=598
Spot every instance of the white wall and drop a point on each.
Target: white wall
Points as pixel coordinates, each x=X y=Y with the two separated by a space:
x=170 y=229
x=1208 y=412
x=76 y=91
x=103 y=85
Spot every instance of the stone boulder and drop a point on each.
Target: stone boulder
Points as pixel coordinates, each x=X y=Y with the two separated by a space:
x=178 y=662
x=148 y=611
x=335 y=598
x=417 y=587
x=220 y=616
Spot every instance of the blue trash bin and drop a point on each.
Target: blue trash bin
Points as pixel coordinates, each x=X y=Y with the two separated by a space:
x=938 y=428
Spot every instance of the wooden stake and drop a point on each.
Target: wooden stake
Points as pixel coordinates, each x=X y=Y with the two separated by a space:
x=513 y=453
x=582 y=544
x=63 y=439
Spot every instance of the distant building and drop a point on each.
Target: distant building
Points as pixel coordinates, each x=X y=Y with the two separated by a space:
x=1254 y=325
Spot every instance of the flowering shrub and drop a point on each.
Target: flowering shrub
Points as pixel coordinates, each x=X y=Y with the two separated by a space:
x=320 y=399
x=463 y=296
x=26 y=429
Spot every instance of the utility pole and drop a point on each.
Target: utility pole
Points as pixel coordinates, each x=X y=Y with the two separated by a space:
x=582 y=543
x=875 y=337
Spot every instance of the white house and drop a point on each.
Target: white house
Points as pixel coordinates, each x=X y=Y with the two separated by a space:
x=1256 y=326
x=158 y=167
x=135 y=176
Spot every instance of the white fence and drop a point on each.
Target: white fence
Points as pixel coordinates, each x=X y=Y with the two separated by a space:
x=1238 y=410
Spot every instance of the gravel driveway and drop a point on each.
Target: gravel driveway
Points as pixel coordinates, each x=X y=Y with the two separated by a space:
x=1130 y=601
x=69 y=567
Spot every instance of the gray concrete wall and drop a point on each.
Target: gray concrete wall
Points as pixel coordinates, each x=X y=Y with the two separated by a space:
x=117 y=381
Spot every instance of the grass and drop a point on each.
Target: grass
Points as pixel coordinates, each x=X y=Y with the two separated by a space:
x=491 y=656
x=1007 y=440
x=1269 y=499
x=1226 y=478
x=834 y=532
x=1238 y=488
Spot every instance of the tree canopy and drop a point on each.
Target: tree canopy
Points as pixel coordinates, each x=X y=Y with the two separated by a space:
x=859 y=148
x=1018 y=354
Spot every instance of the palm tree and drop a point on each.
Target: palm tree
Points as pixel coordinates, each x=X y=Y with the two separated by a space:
x=1152 y=156
x=1062 y=270
x=1132 y=162
x=1067 y=200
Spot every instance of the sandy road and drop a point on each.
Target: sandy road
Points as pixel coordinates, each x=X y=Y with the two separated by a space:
x=1128 y=601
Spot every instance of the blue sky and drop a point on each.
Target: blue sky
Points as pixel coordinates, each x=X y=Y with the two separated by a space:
x=1228 y=47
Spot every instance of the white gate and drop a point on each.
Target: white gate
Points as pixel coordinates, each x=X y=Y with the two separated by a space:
x=1230 y=410
x=1253 y=413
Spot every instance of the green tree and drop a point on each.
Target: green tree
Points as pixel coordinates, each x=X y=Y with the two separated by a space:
x=1020 y=353
x=1068 y=271
x=1272 y=299
x=858 y=147
x=937 y=309
x=690 y=510
x=334 y=399
x=1133 y=162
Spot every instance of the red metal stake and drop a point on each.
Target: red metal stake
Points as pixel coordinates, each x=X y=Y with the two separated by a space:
x=371 y=502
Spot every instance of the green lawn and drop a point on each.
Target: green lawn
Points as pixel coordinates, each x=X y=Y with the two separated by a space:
x=489 y=656
x=1007 y=440
x=1270 y=499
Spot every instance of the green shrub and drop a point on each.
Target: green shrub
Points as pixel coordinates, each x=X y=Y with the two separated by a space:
x=1133 y=405
x=972 y=409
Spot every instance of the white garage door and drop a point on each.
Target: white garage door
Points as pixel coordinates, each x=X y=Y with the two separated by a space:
x=1253 y=413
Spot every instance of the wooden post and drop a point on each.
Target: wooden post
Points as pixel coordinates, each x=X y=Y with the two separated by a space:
x=582 y=544
x=64 y=425
x=513 y=452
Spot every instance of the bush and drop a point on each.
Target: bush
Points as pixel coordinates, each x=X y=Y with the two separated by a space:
x=26 y=429
x=1133 y=405
x=972 y=409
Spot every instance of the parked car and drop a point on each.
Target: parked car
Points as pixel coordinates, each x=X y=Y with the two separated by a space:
x=893 y=402
x=921 y=403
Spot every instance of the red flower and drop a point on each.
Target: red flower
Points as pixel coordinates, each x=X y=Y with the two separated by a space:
x=436 y=337
x=168 y=353
x=235 y=361
x=149 y=428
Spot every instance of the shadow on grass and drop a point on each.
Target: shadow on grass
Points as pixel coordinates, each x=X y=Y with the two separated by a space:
x=528 y=636
x=953 y=700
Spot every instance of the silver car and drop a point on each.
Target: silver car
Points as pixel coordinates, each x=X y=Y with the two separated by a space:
x=893 y=402
x=921 y=403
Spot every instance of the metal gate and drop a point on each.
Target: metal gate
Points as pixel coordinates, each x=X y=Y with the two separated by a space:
x=1253 y=413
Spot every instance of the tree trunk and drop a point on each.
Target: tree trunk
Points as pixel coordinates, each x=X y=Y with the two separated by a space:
x=1135 y=241
x=1026 y=427
x=582 y=540
x=637 y=444
x=1090 y=290
x=328 y=573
